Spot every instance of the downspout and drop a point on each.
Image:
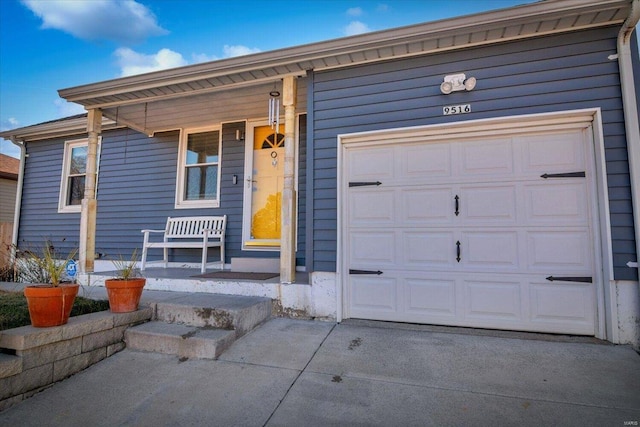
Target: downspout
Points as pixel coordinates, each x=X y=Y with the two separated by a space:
x=630 y=108
x=18 y=206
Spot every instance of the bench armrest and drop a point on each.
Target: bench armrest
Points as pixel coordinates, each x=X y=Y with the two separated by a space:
x=152 y=231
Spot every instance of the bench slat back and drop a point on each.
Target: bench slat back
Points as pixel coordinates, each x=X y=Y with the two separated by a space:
x=192 y=227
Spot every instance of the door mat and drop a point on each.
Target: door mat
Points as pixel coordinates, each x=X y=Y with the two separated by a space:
x=237 y=275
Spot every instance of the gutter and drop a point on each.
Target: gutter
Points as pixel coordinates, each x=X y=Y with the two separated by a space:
x=320 y=56
x=630 y=108
x=18 y=206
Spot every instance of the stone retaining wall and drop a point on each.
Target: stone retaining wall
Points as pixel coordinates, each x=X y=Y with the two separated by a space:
x=31 y=358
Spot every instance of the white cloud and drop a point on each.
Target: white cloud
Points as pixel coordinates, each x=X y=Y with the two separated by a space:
x=8 y=124
x=356 y=27
x=121 y=21
x=6 y=147
x=238 y=50
x=66 y=109
x=354 y=11
x=382 y=7
x=202 y=57
x=228 y=51
x=132 y=62
x=9 y=149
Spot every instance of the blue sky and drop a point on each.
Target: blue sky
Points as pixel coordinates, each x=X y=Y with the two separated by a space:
x=46 y=45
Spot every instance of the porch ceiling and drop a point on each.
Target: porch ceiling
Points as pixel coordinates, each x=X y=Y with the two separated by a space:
x=201 y=109
x=238 y=87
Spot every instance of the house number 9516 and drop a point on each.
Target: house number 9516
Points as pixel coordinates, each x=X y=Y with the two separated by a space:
x=456 y=109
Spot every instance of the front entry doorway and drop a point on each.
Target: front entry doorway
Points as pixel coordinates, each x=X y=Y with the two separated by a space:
x=264 y=166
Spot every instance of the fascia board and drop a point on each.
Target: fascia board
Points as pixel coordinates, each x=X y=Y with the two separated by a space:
x=306 y=53
x=56 y=129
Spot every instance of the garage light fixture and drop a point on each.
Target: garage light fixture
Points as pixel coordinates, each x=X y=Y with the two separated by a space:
x=457 y=82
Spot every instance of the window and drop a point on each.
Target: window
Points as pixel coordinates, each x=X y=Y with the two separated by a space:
x=74 y=170
x=199 y=169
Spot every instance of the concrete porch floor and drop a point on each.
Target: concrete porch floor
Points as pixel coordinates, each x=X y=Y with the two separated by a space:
x=185 y=280
x=156 y=273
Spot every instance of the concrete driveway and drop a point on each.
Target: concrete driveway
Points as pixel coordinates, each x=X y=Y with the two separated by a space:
x=302 y=373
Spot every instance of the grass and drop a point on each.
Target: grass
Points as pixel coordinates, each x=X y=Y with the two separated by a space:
x=15 y=313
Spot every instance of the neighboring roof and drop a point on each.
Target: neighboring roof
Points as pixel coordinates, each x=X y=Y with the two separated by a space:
x=9 y=167
x=167 y=99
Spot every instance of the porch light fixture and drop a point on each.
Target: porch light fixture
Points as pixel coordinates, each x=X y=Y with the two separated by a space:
x=457 y=82
x=239 y=135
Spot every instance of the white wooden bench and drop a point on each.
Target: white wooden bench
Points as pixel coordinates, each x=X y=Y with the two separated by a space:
x=199 y=232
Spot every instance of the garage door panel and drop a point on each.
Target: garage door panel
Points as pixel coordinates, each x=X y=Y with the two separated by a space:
x=426 y=161
x=429 y=249
x=486 y=158
x=373 y=163
x=488 y=204
x=492 y=300
x=427 y=206
x=556 y=203
x=562 y=306
x=371 y=294
x=514 y=229
x=371 y=208
x=559 y=251
x=373 y=248
x=567 y=153
x=492 y=250
x=430 y=297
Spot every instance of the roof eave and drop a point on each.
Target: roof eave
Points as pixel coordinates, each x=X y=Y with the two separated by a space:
x=55 y=129
x=297 y=57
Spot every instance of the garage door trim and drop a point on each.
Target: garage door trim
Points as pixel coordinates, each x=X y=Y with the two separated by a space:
x=513 y=125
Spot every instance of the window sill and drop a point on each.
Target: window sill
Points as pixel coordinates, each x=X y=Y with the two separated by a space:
x=197 y=205
x=70 y=209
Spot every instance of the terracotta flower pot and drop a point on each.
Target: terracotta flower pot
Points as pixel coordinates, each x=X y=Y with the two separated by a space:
x=124 y=295
x=50 y=305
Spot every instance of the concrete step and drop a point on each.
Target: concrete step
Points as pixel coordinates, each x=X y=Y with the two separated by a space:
x=180 y=340
x=240 y=313
x=198 y=325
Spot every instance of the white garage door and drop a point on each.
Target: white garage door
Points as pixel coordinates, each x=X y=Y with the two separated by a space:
x=490 y=232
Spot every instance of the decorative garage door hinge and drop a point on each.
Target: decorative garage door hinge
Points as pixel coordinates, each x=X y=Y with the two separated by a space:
x=364 y=184
x=583 y=279
x=376 y=272
x=564 y=175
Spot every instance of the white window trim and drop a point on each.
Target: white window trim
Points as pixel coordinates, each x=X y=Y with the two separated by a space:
x=64 y=181
x=181 y=203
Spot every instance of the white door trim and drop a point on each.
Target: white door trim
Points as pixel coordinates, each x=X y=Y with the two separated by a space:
x=248 y=177
x=587 y=119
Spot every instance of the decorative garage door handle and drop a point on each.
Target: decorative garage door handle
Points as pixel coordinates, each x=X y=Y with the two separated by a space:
x=458 y=258
x=564 y=175
x=583 y=279
x=457 y=205
x=364 y=184
x=376 y=272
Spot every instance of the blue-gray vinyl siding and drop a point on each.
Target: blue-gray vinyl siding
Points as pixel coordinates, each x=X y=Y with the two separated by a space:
x=554 y=73
x=39 y=218
x=136 y=190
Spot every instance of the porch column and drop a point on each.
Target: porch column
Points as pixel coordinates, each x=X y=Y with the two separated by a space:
x=89 y=203
x=288 y=225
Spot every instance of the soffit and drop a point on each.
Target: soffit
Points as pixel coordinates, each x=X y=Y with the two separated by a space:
x=542 y=18
x=201 y=110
